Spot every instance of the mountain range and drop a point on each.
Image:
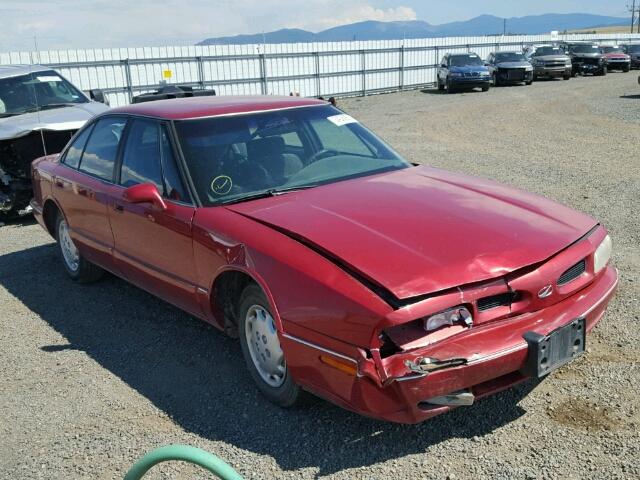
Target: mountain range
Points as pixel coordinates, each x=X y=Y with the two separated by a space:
x=372 y=30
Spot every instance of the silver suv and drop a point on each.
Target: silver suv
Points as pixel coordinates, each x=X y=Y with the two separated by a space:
x=549 y=61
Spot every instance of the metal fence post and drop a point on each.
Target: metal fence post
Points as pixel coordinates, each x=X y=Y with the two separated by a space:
x=316 y=56
x=263 y=73
x=401 y=72
x=363 y=61
x=200 y=72
x=437 y=63
x=127 y=77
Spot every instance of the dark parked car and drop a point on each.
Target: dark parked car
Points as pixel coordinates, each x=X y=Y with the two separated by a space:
x=508 y=68
x=396 y=291
x=633 y=50
x=463 y=71
x=586 y=58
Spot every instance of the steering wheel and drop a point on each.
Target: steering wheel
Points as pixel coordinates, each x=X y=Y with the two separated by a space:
x=325 y=152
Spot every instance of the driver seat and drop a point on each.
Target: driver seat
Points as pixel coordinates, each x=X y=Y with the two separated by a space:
x=270 y=153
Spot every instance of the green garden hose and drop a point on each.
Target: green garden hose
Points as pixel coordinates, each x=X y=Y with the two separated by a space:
x=182 y=453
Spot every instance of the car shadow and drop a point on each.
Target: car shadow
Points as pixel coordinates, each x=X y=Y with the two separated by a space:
x=633 y=97
x=196 y=375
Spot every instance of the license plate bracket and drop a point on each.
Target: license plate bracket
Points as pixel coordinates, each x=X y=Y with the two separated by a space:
x=547 y=353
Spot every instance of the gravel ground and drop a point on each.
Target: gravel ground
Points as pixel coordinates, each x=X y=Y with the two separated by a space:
x=94 y=376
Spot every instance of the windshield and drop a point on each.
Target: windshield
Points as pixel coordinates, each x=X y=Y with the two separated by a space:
x=633 y=48
x=246 y=156
x=612 y=50
x=585 y=49
x=36 y=91
x=543 y=51
x=509 y=57
x=465 y=60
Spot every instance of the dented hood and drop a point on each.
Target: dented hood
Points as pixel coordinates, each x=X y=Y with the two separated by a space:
x=422 y=230
x=63 y=118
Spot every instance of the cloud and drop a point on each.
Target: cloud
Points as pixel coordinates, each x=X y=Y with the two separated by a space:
x=76 y=24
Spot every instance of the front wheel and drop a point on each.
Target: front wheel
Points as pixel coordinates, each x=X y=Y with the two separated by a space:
x=567 y=77
x=78 y=268
x=486 y=88
x=603 y=72
x=261 y=348
x=440 y=86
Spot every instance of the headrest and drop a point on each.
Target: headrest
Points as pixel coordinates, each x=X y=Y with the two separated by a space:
x=268 y=146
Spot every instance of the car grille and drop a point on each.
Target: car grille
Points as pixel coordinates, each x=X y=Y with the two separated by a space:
x=554 y=63
x=471 y=74
x=500 y=300
x=588 y=61
x=572 y=273
x=515 y=74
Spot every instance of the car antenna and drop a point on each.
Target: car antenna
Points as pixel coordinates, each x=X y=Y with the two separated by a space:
x=35 y=93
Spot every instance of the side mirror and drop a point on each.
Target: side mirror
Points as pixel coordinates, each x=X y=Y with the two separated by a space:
x=145 y=193
x=98 y=95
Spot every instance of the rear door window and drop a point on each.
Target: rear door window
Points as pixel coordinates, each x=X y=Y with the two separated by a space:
x=141 y=158
x=100 y=153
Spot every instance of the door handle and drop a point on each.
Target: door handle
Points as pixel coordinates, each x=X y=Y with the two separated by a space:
x=59 y=183
x=118 y=208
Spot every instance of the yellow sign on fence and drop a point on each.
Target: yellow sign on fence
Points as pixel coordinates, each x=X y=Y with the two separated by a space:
x=167 y=74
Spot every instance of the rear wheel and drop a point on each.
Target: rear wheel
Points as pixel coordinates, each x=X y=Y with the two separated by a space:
x=261 y=348
x=77 y=267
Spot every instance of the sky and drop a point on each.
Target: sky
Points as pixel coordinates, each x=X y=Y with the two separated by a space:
x=71 y=24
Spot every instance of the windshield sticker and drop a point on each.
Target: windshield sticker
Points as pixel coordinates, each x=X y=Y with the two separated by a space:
x=221 y=185
x=49 y=78
x=342 y=119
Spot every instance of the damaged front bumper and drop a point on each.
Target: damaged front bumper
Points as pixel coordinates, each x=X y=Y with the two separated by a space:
x=16 y=155
x=410 y=387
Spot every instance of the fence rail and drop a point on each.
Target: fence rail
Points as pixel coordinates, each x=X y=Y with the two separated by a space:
x=312 y=69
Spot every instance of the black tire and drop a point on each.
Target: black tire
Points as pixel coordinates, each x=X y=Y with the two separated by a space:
x=496 y=82
x=287 y=394
x=567 y=77
x=528 y=82
x=486 y=88
x=626 y=69
x=535 y=77
x=84 y=271
x=440 y=86
x=603 y=72
x=450 y=89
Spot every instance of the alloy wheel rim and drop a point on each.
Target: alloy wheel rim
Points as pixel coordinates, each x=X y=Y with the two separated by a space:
x=264 y=346
x=69 y=250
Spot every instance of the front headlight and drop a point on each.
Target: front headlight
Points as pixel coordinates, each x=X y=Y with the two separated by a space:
x=529 y=68
x=484 y=74
x=455 y=74
x=456 y=315
x=567 y=62
x=602 y=255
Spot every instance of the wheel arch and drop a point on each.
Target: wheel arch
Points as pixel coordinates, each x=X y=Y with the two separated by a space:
x=226 y=291
x=50 y=210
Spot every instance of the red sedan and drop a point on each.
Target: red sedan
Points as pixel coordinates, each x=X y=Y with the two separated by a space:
x=393 y=290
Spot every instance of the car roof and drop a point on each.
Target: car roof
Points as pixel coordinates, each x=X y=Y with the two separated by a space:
x=7 y=71
x=506 y=51
x=200 y=107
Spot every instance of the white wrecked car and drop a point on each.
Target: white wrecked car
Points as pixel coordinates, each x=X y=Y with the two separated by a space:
x=39 y=113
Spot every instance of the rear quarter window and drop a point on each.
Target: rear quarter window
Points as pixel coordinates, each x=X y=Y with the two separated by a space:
x=72 y=157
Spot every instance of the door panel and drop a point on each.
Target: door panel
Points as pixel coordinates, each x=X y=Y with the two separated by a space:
x=154 y=249
x=84 y=201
